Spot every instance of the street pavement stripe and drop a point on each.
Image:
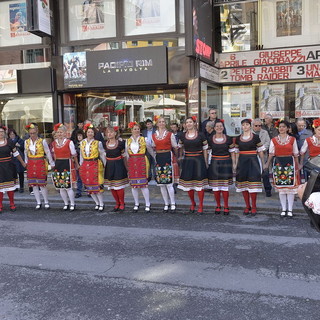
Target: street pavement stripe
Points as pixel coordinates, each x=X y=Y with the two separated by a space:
x=171 y=272
x=96 y=233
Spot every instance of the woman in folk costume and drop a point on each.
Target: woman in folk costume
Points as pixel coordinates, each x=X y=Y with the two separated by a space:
x=311 y=144
x=285 y=169
x=138 y=166
x=115 y=172
x=66 y=162
x=247 y=166
x=194 y=165
x=92 y=161
x=8 y=174
x=163 y=142
x=220 y=174
x=35 y=150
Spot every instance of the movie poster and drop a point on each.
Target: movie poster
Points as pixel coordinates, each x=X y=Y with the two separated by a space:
x=271 y=99
x=92 y=15
x=289 y=18
x=75 y=69
x=18 y=19
x=307 y=100
x=147 y=12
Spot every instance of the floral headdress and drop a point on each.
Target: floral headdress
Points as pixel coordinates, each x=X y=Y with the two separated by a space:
x=30 y=126
x=88 y=126
x=4 y=128
x=194 y=118
x=132 y=124
x=116 y=128
x=316 y=123
x=277 y=123
x=57 y=126
x=156 y=118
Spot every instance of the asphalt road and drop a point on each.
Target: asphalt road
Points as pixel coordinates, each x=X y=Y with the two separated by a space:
x=88 y=266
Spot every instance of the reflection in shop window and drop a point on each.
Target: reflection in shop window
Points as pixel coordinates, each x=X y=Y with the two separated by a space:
x=19 y=112
x=238 y=24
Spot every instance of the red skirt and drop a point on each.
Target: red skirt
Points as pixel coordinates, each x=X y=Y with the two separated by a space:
x=138 y=166
x=37 y=172
x=90 y=172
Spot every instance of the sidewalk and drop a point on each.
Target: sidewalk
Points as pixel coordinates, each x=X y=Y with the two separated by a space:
x=265 y=205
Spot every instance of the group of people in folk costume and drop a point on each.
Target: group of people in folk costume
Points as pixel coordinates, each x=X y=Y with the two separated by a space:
x=208 y=162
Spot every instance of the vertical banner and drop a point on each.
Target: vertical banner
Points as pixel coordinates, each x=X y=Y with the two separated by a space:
x=307 y=100
x=237 y=105
x=193 y=95
x=75 y=69
x=271 y=99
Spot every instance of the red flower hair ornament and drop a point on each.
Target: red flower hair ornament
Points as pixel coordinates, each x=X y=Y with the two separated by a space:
x=88 y=126
x=30 y=126
x=277 y=123
x=156 y=118
x=194 y=118
x=116 y=128
x=131 y=124
x=4 y=128
x=57 y=126
x=316 y=123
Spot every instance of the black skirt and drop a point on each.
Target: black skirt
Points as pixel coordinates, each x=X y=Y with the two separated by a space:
x=248 y=176
x=220 y=173
x=8 y=175
x=193 y=173
x=115 y=174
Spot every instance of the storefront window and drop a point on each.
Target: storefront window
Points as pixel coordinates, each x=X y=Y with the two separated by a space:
x=290 y=23
x=16 y=113
x=13 y=24
x=91 y=19
x=307 y=100
x=238 y=22
x=237 y=105
x=210 y=99
x=149 y=16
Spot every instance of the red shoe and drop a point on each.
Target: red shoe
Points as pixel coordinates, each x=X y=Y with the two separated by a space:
x=247 y=211
x=13 y=208
x=192 y=208
x=253 y=212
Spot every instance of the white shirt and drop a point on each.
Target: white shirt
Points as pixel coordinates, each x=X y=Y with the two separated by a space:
x=32 y=150
x=102 y=152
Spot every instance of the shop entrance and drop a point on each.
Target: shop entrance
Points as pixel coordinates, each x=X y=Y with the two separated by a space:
x=120 y=108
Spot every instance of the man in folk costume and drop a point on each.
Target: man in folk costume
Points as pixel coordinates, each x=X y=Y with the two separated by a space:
x=36 y=150
x=66 y=163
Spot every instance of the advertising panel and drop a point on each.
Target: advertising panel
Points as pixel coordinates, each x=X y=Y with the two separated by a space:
x=307 y=100
x=112 y=68
x=271 y=99
x=200 y=36
x=8 y=81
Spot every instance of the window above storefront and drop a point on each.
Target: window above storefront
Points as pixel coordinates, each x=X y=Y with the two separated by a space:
x=13 y=25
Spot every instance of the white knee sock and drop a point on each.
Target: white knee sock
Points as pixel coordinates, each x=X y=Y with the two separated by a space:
x=71 y=196
x=64 y=196
x=95 y=198
x=135 y=193
x=146 y=195
x=100 y=198
x=171 y=193
x=44 y=192
x=164 y=194
x=290 y=197
x=36 y=192
x=283 y=201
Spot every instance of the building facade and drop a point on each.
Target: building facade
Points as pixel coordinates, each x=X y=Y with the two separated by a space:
x=117 y=61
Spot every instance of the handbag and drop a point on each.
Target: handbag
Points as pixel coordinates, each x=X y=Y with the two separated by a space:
x=313 y=164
